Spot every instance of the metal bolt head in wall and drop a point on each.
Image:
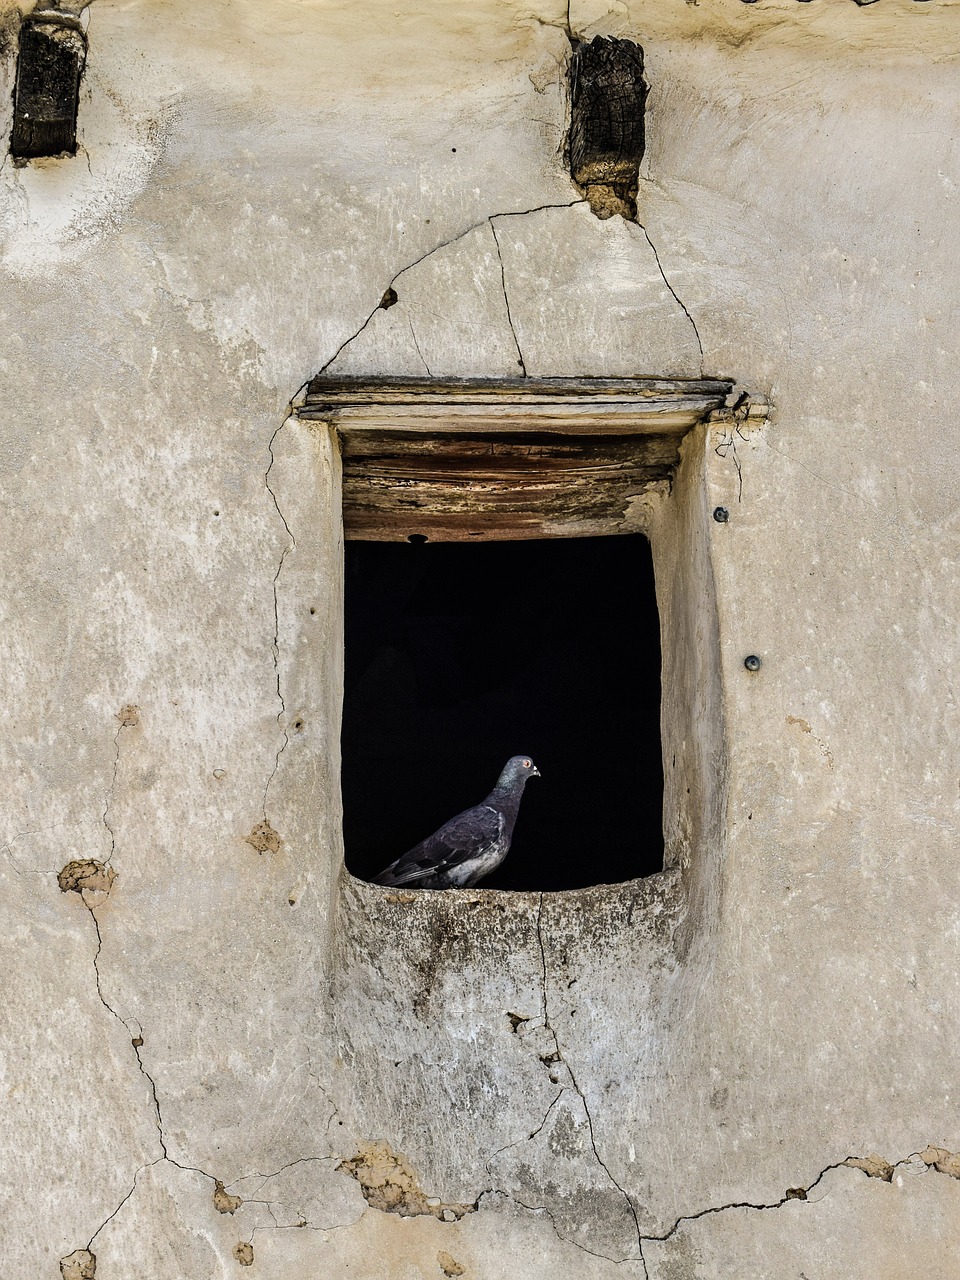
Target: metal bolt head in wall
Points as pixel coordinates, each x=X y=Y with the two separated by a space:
x=752 y=662
x=721 y=515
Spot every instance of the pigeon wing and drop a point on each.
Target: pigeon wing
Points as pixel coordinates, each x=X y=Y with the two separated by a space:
x=467 y=836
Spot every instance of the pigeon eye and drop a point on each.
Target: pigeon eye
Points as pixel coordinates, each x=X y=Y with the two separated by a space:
x=526 y=764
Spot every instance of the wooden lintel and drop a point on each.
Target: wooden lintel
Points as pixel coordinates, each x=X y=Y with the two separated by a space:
x=562 y=406
x=532 y=458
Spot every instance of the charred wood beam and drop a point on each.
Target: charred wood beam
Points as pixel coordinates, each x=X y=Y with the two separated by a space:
x=53 y=50
x=607 y=100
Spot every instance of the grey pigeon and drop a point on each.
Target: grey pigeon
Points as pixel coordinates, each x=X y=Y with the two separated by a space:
x=472 y=844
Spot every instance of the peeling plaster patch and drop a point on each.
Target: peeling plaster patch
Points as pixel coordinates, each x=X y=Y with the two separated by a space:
x=223 y=1202
x=942 y=1160
x=449 y=1265
x=389 y=1183
x=805 y=727
x=873 y=1166
x=243 y=1253
x=128 y=716
x=85 y=874
x=79 y=1265
x=263 y=838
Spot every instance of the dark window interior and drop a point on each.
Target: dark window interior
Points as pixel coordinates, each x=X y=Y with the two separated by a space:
x=460 y=655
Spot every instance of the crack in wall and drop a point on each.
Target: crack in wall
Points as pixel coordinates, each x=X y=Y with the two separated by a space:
x=334 y=1109
x=109 y=1218
x=506 y=300
x=417 y=345
x=108 y=801
x=276 y=614
x=129 y=716
x=729 y=445
x=8 y=849
x=304 y=1225
x=877 y=1168
x=136 y=1039
x=679 y=301
x=869 y=1166
x=551 y=1217
x=576 y=1087
x=793 y=1193
x=542 y=1208
x=517 y=1142
x=274 y=1173
x=388 y=296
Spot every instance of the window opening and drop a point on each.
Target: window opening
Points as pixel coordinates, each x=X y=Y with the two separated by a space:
x=500 y=600
x=462 y=654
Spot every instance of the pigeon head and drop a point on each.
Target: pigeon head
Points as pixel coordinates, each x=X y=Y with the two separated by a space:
x=518 y=769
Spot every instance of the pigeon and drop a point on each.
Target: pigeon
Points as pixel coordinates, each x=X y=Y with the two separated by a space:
x=472 y=844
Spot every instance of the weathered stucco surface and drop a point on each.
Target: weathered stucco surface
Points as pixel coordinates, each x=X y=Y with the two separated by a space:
x=626 y=1081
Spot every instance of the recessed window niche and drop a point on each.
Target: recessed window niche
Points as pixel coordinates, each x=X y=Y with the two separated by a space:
x=460 y=655
x=500 y=598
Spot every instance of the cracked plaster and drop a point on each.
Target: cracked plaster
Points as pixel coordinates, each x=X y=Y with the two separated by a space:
x=170 y=542
x=557 y=325
x=848 y=1228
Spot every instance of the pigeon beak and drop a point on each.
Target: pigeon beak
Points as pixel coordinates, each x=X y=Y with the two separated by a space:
x=535 y=772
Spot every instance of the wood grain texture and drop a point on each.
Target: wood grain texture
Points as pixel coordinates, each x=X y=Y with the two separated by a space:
x=49 y=66
x=607 y=101
x=563 y=406
x=473 y=460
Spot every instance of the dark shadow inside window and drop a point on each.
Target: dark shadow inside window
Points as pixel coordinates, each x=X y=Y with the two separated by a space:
x=460 y=655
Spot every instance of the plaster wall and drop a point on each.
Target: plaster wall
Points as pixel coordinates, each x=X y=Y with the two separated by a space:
x=229 y=1018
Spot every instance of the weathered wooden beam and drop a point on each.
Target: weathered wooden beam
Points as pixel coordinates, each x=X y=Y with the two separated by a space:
x=373 y=390
x=475 y=460
x=608 y=98
x=53 y=50
x=565 y=406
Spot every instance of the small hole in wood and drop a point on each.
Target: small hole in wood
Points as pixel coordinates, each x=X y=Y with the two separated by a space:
x=417 y=539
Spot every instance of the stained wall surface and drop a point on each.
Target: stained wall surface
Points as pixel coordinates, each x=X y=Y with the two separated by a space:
x=219 y=1052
